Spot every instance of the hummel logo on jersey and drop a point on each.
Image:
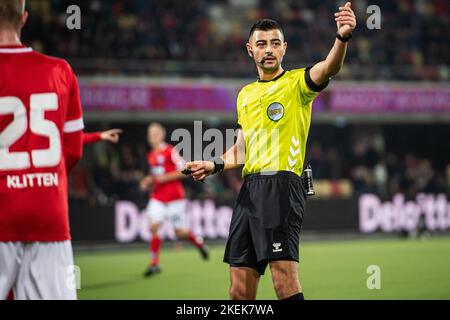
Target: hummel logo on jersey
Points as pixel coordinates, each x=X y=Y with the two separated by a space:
x=276 y=247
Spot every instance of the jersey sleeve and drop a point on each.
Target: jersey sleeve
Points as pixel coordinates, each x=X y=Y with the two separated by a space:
x=73 y=149
x=91 y=137
x=238 y=111
x=308 y=89
x=74 y=116
x=73 y=127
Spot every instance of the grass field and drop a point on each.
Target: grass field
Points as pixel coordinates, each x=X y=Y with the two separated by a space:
x=410 y=269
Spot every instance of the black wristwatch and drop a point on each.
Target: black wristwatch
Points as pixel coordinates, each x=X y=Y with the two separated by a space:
x=343 y=39
x=219 y=165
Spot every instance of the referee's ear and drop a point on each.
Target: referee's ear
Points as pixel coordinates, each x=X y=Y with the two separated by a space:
x=249 y=49
x=285 y=45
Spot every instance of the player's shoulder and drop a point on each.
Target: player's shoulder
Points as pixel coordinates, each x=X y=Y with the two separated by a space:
x=54 y=62
x=150 y=153
x=50 y=59
x=168 y=147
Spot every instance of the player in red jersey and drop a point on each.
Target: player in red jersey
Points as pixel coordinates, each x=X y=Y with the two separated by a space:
x=167 y=199
x=40 y=142
x=112 y=135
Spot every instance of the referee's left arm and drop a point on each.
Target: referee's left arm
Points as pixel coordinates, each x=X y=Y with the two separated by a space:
x=346 y=23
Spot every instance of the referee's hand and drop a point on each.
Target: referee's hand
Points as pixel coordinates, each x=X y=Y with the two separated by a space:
x=345 y=20
x=199 y=170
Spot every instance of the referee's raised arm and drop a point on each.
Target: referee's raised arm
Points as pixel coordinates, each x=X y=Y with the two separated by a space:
x=346 y=23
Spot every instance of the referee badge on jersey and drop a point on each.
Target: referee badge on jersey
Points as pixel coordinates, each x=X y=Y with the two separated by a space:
x=275 y=111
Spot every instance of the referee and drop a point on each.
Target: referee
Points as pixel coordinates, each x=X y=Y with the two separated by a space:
x=274 y=115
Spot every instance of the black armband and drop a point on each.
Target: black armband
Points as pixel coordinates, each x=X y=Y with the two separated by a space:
x=219 y=165
x=314 y=87
x=343 y=39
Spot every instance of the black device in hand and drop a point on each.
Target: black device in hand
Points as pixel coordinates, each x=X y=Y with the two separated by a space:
x=186 y=172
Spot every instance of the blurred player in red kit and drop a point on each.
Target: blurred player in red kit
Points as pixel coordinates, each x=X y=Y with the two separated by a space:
x=167 y=199
x=41 y=136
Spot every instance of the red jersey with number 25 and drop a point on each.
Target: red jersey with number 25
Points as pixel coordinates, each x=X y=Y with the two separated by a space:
x=40 y=139
x=163 y=161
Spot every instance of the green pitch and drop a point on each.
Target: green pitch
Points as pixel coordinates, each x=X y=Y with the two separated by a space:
x=410 y=269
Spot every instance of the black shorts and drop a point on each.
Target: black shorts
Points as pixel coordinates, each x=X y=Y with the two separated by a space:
x=266 y=221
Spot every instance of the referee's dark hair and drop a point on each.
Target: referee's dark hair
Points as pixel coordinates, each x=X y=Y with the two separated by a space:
x=265 y=25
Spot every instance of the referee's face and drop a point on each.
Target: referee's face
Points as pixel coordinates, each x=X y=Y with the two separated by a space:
x=267 y=48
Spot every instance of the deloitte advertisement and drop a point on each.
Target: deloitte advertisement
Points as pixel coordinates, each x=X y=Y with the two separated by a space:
x=126 y=222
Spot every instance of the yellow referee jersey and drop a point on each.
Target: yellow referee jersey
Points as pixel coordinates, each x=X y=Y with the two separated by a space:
x=275 y=117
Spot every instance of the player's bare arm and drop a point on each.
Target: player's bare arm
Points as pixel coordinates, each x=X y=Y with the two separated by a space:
x=146 y=183
x=346 y=23
x=233 y=158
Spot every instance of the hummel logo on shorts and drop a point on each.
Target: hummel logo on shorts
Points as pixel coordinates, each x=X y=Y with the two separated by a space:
x=276 y=247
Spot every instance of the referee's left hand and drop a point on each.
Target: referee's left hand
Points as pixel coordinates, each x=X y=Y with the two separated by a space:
x=345 y=20
x=200 y=169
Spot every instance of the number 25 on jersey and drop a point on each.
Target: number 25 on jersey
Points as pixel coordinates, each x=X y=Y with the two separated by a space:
x=40 y=158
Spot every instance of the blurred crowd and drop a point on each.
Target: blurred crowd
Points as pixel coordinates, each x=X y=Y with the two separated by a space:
x=373 y=170
x=369 y=160
x=207 y=37
x=384 y=160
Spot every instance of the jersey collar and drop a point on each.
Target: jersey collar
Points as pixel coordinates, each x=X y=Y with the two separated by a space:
x=15 y=49
x=274 y=79
x=162 y=146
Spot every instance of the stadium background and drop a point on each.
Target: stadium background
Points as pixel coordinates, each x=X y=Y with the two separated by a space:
x=379 y=142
